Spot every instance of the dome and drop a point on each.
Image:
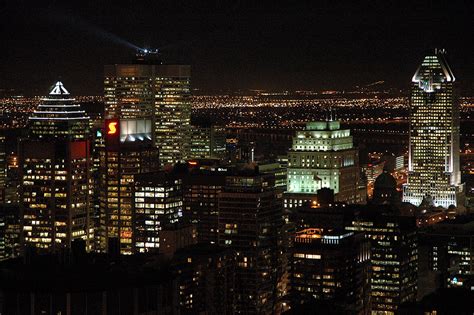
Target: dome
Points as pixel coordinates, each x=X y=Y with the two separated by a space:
x=385 y=181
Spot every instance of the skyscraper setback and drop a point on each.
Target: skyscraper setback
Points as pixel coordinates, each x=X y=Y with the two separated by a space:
x=55 y=162
x=433 y=164
x=149 y=89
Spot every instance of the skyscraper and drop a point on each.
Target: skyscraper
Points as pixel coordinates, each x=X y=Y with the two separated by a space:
x=201 y=193
x=128 y=152
x=433 y=164
x=207 y=141
x=251 y=223
x=149 y=89
x=323 y=156
x=55 y=174
x=394 y=257
x=157 y=202
x=331 y=265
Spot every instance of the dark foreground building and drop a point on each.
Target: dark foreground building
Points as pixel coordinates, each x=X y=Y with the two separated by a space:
x=205 y=276
x=332 y=266
x=394 y=258
x=86 y=284
x=251 y=223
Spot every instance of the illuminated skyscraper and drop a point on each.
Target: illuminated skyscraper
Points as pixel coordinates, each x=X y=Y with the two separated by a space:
x=394 y=257
x=158 y=202
x=207 y=142
x=323 y=156
x=149 y=89
x=55 y=175
x=434 y=136
x=128 y=152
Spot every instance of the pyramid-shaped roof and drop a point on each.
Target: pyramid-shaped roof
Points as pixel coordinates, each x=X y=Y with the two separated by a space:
x=58 y=89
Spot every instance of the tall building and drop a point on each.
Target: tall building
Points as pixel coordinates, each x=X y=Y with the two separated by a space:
x=251 y=223
x=3 y=169
x=451 y=251
x=205 y=276
x=433 y=166
x=201 y=190
x=323 y=156
x=394 y=258
x=128 y=151
x=331 y=265
x=157 y=202
x=55 y=175
x=149 y=89
x=207 y=141
x=10 y=231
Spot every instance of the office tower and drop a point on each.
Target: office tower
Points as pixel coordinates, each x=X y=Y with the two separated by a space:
x=55 y=175
x=323 y=156
x=3 y=251
x=451 y=251
x=97 y=145
x=394 y=258
x=331 y=265
x=12 y=179
x=128 y=151
x=433 y=165
x=10 y=231
x=207 y=141
x=250 y=222
x=201 y=190
x=275 y=168
x=3 y=169
x=205 y=276
x=157 y=202
x=149 y=89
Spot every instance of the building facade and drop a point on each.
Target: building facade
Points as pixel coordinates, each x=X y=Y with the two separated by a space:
x=207 y=142
x=331 y=265
x=251 y=223
x=55 y=187
x=126 y=154
x=149 y=89
x=201 y=201
x=394 y=258
x=323 y=156
x=206 y=279
x=433 y=165
x=157 y=202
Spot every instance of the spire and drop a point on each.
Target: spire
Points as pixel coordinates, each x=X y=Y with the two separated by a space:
x=59 y=89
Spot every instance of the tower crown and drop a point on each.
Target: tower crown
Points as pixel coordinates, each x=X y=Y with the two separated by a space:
x=58 y=89
x=433 y=71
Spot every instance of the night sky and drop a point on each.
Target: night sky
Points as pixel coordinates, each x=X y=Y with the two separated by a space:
x=318 y=45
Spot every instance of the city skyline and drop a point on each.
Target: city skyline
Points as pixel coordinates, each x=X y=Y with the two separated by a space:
x=236 y=159
x=275 y=48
